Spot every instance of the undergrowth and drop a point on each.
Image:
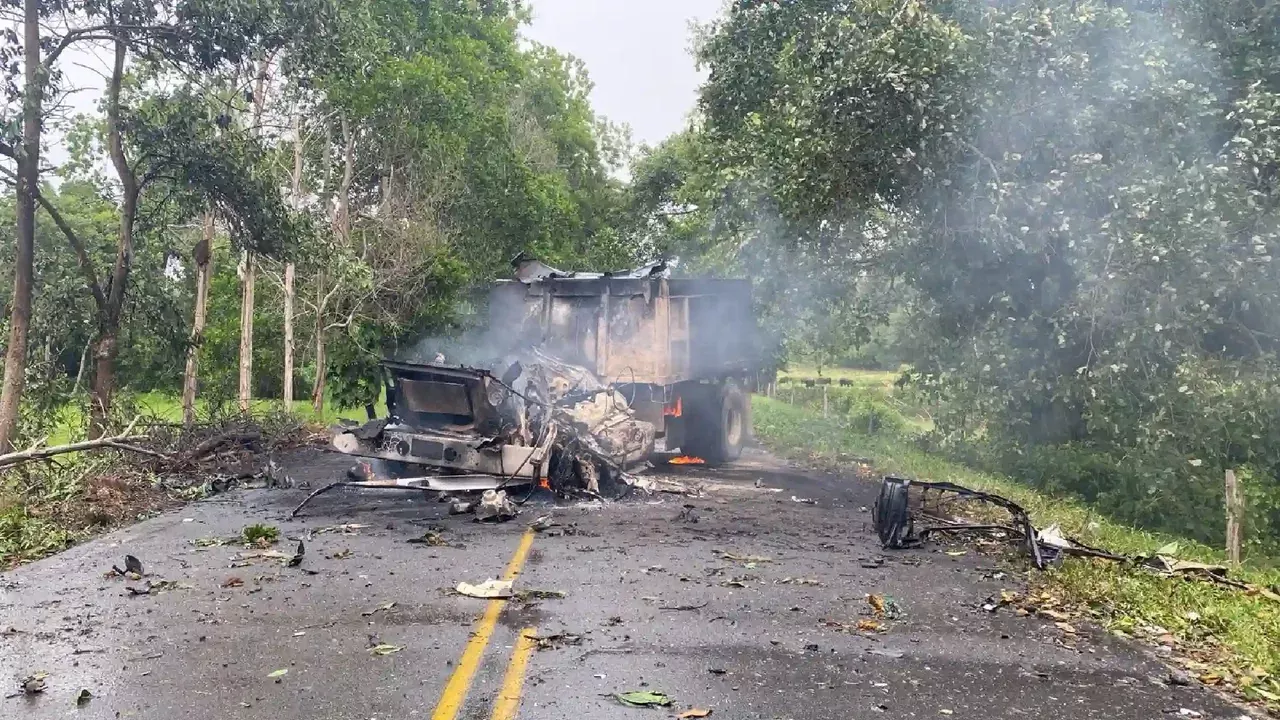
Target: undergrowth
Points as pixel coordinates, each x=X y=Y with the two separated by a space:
x=1222 y=636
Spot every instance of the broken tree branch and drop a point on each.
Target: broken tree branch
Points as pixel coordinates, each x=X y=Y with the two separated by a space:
x=124 y=441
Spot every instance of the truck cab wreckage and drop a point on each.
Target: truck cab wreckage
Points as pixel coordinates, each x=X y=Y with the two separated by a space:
x=584 y=373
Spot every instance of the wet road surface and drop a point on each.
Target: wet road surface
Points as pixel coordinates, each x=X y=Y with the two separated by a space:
x=732 y=602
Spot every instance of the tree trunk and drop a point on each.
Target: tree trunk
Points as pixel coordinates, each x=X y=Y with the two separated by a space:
x=28 y=161
x=249 y=274
x=288 y=336
x=203 y=254
x=317 y=389
x=104 y=381
x=289 y=268
x=247 y=277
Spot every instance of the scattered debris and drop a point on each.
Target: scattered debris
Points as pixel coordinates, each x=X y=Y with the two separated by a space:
x=682 y=608
x=232 y=582
x=694 y=713
x=154 y=588
x=33 y=684
x=496 y=506
x=132 y=568
x=800 y=581
x=529 y=595
x=806 y=501
x=897 y=512
x=461 y=507
x=381 y=608
x=866 y=625
x=733 y=557
x=543 y=523
x=550 y=642
x=298 y=554
x=278 y=675
x=383 y=649
x=83 y=697
x=487 y=590
x=433 y=537
x=348 y=529
x=644 y=698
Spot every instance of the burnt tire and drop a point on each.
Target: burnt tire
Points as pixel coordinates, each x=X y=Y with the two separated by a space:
x=718 y=423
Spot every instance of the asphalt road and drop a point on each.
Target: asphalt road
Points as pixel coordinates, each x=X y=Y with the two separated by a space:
x=648 y=588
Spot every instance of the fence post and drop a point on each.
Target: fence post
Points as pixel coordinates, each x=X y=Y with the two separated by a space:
x=791 y=398
x=1235 y=514
x=824 y=401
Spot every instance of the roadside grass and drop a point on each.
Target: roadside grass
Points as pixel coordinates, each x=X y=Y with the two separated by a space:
x=73 y=419
x=1224 y=637
x=47 y=507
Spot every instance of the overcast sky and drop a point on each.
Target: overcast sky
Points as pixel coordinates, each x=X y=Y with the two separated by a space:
x=637 y=52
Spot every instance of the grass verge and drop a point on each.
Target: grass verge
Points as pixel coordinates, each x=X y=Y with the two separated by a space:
x=1223 y=637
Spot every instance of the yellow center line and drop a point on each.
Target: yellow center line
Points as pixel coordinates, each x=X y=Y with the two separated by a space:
x=455 y=692
x=508 y=702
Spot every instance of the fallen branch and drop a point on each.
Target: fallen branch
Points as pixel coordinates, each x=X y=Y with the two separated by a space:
x=124 y=441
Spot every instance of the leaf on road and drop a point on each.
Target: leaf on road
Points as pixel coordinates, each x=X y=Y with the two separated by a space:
x=866 y=625
x=380 y=608
x=277 y=674
x=232 y=582
x=644 y=699
x=877 y=604
x=724 y=554
x=1067 y=628
x=385 y=649
x=694 y=713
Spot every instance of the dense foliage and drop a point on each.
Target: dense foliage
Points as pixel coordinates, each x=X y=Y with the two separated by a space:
x=389 y=153
x=1081 y=197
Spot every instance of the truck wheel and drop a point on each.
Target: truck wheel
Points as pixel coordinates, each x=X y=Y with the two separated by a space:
x=719 y=424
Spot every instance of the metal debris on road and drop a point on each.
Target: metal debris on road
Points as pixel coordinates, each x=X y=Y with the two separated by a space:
x=494 y=505
x=543 y=523
x=897 y=513
x=298 y=554
x=83 y=697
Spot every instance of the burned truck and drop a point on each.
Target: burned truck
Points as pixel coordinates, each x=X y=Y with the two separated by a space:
x=585 y=374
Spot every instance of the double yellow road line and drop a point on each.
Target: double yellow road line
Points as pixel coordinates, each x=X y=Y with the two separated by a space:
x=508 y=702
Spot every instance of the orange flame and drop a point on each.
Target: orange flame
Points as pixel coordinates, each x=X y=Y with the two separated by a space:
x=674 y=410
x=686 y=460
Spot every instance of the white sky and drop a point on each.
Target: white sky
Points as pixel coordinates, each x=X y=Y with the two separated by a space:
x=637 y=53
